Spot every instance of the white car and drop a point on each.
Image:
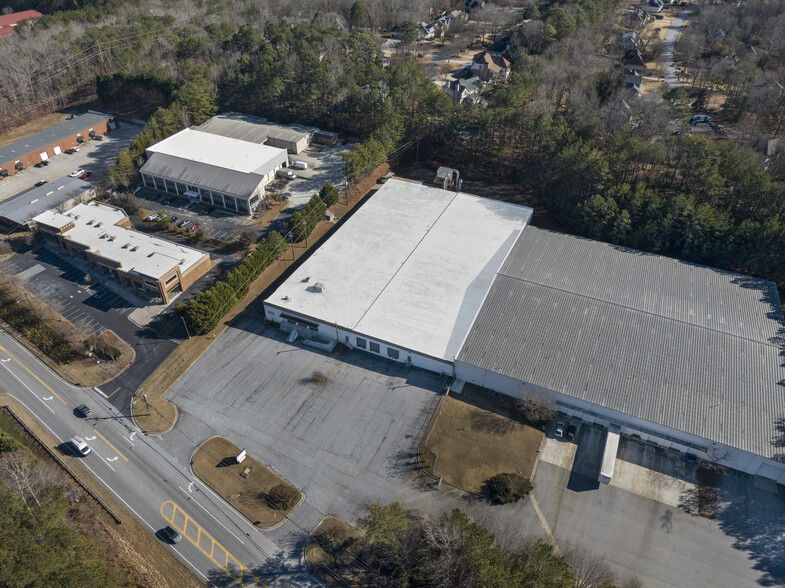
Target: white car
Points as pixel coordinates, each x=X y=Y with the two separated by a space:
x=81 y=446
x=76 y=173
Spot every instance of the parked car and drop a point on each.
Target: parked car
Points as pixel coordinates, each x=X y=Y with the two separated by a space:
x=98 y=138
x=84 y=410
x=300 y=165
x=285 y=173
x=152 y=217
x=571 y=430
x=72 y=150
x=559 y=430
x=39 y=164
x=173 y=219
x=80 y=445
x=85 y=175
x=40 y=182
x=171 y=534
x=76 y=173
x=193 y=228
x=699 y=118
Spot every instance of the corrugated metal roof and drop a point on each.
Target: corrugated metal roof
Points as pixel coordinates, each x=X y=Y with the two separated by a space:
x=35 y=143
x=673 y=343
x=25 y=206
x=207 y=176
x=251 y=128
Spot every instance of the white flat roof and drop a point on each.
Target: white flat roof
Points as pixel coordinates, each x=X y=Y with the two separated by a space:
x=95 y=227
x=411 y=267
x=220 y=151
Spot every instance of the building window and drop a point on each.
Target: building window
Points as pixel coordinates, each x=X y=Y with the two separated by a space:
x=393 y=353
x=360 y=342
x=374 y=347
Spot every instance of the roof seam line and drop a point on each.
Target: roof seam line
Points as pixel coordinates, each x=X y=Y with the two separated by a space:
x=659 y=316
x=381 y=290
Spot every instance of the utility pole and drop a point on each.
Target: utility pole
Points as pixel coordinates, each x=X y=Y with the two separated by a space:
x=305 y=232
x=185 y=324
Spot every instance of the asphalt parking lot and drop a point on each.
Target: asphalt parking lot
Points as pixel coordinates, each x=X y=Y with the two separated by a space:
x=94 y=309
x=344 y=442
x=324 y=165
x=93 y=156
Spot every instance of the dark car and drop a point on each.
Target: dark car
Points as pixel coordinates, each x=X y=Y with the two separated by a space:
x=84 y=410
x=173 y=219
x=571 y=433
x=171 y=534
x=39 y=164
x=98 y=138
x=40 y=182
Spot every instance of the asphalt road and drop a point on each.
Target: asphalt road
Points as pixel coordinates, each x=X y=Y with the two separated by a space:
x=667 y=57
x=152 y=478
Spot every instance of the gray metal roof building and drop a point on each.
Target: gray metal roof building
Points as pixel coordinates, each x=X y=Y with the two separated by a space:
x=688 y=347
x=20 y=209
x=257 y=129
x=43 y=139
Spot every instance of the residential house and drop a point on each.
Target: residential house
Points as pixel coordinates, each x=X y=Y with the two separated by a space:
x=632 y=76
x=638 y=17
x=464 y=86
x=653 y=6
x=633 y=59
x=629 y=40
x=491 y=66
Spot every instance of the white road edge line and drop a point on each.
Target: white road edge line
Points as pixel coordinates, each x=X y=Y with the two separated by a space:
x=28 y=387
x=211 y=514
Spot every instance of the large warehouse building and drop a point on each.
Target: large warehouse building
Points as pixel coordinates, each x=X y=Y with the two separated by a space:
x=684 y=356
x=102 y=235
x=62 y=194
x=256 y=129
x=41 y=146
x=220 y=171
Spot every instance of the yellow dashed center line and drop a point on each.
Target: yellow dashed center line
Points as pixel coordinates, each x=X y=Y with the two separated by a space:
x=117 y=451
x=8 y=353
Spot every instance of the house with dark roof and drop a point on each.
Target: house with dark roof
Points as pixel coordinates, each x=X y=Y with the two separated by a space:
x=490 y=66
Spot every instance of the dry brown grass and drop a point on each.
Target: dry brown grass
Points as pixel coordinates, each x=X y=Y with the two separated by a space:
x=127 y=549
x=162 y=414
x=214 y=463
x=475 y=438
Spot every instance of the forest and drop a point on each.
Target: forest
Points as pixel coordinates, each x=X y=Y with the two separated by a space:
x=562 y=128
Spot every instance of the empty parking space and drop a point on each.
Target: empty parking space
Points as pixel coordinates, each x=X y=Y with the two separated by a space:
x=342 y=427
x=90 y=305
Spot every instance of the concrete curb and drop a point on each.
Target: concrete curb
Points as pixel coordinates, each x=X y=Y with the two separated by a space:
x=233 y=507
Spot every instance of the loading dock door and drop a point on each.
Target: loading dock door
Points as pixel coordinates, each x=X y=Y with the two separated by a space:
x=44 y=156
x=58 y=151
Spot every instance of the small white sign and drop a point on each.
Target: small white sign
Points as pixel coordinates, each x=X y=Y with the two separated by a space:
x=241 y=456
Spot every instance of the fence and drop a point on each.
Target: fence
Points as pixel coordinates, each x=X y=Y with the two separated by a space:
x=63 y=465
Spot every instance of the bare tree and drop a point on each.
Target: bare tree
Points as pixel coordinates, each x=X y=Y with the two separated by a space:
x=590 y=570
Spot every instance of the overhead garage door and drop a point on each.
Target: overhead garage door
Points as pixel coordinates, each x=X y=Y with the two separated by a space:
x=44 y=156
x=58 y=151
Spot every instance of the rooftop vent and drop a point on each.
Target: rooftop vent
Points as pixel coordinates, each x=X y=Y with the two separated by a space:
x=90 y=222
x=78 y=216
x=98 y=224
x=134 y=248
x=287 y=298
x=318 y=287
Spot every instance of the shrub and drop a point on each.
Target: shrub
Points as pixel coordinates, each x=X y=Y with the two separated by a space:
x=508 y=487
x=535 y=411
x=283 y=497
x=9 y=444
x=329 y=194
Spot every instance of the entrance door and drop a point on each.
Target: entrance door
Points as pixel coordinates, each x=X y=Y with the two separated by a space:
x=44 y=156
x=58 y=151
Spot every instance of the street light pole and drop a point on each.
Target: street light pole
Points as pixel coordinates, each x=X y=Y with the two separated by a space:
x=305 y=232
x=186 y=326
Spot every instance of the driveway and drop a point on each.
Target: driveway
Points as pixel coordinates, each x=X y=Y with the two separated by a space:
x=93 y=156
x=54 y=280
x=667 y=58
x=324 y=165
x=345 y=442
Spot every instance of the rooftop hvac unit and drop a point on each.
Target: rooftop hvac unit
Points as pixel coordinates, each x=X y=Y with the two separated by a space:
x=98 y=224
x=134 y=248
x=90 y=222
x=318 y=287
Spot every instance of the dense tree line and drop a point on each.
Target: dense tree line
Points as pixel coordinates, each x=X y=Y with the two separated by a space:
x=452 y=550
x=37 y=547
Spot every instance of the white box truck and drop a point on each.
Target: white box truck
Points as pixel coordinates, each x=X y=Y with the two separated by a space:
x=300 y=165
x=609 y=456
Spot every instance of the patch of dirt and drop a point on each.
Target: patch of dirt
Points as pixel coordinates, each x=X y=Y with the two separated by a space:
x=128 y=549
x=246 y=485
x=269 y=215
x=41 y=123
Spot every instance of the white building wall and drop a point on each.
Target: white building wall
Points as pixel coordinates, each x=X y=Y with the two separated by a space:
x=652 y=432
x=349 y=338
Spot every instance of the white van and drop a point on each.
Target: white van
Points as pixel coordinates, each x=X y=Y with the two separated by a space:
x=81 y=446
x=300 y=165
